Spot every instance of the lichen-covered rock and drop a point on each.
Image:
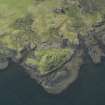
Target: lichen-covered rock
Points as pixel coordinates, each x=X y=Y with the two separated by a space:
x=51 y=37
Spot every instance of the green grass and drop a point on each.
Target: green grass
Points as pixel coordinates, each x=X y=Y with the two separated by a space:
x=10 y=10
x=20 y=6
x=48 y=60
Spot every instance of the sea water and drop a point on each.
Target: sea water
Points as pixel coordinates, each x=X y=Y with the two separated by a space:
x=17 y=88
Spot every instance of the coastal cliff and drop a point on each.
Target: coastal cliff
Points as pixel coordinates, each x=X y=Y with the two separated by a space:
x=52 y=38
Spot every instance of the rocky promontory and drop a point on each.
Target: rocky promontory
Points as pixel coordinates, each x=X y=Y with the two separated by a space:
x=51 y=39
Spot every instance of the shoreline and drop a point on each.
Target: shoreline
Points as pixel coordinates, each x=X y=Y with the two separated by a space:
x=3 y=64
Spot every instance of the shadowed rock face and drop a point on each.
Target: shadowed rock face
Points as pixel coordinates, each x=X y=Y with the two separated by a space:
x=3 y=63
x=50 y=38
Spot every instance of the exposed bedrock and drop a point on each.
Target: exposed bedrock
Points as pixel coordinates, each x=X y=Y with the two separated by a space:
x=59 y=80
x=3 y=63
x=95 y=42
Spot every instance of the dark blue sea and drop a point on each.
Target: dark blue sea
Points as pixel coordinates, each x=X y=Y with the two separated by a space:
x=17 y=88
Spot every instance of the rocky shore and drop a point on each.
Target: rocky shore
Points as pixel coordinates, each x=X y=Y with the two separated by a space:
x=58 y=80
x=52 y=42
